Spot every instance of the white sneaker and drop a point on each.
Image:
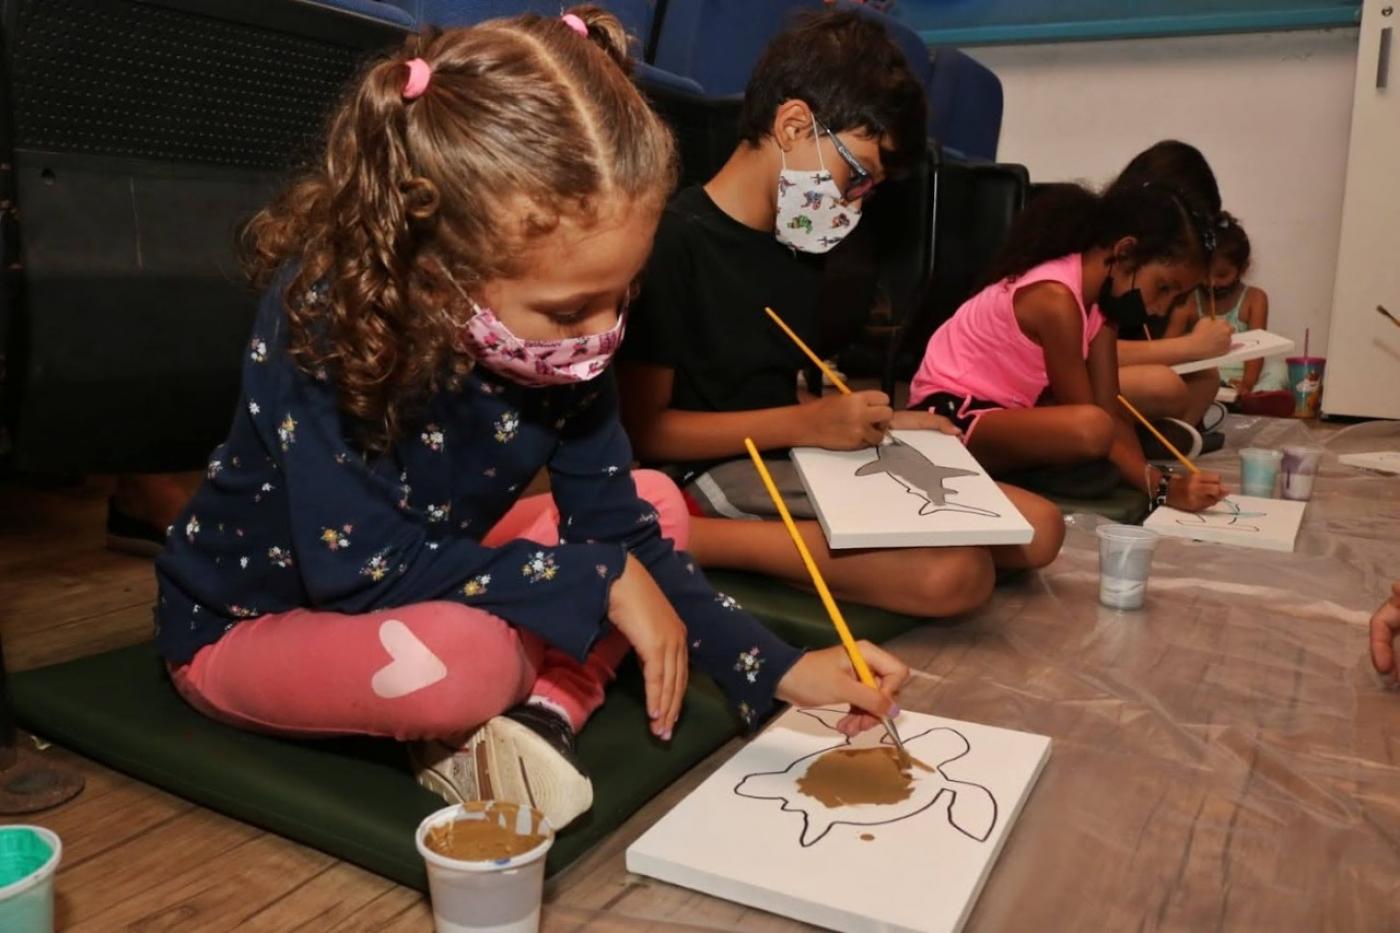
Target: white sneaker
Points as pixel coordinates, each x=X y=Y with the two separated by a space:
x=525 y=756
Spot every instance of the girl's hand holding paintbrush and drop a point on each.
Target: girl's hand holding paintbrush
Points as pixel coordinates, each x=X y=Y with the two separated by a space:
x=1193 y=492
x=825 y=677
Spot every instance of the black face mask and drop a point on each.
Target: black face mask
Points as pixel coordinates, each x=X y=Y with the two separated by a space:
x=1127 y=310
x=1222 y=291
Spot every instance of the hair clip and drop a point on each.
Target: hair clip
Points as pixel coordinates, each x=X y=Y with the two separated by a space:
x=576 y=23
x=419 y=73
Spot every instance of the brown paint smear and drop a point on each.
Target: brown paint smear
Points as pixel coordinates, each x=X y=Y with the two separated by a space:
x=845 y=777
x=866 y=837
x=484 y=840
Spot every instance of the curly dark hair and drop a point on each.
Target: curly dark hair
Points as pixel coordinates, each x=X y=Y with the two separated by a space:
x=523 y=123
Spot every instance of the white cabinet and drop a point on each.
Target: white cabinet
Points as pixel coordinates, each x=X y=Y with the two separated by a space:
x=1363 y=347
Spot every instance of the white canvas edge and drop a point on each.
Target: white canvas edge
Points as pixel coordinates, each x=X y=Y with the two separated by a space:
x=1183 y=369
x=1021 y=534
x=1373 y=460
x=1001 y=842
x=1215 y=536
x=787 y=905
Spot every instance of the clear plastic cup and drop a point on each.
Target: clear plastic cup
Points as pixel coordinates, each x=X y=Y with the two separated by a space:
x=500 y=896
x=1259 y=471
x=1300 y=465
x=1125 y=559
x=29 y=856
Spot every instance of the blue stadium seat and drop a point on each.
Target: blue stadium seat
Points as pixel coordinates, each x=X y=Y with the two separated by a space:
x=966 y=101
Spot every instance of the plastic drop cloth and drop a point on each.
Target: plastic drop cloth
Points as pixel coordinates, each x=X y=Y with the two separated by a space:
x=1224 y=759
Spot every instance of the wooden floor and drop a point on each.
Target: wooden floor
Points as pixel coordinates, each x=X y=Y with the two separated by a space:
x=1223 y=760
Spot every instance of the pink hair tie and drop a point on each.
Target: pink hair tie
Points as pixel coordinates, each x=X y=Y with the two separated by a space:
x=576 y=23
x=418 y=75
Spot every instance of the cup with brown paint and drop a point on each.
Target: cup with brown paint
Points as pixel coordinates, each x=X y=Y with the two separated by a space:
x=485 y=862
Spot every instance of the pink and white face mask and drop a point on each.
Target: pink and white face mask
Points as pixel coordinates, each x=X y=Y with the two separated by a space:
x=540 y=362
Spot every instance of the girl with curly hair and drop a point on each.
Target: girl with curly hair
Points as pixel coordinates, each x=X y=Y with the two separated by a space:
x=444 y=293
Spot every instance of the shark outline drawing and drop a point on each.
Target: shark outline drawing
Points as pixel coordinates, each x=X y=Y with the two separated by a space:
x=920 y=477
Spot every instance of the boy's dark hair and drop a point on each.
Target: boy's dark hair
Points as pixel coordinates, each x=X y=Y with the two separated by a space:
x=1069 y=218
x=852 y=75
x=1231 y=241
x=1177 y=165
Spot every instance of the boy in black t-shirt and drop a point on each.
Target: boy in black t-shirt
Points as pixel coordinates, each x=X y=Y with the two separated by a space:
x=831 y=110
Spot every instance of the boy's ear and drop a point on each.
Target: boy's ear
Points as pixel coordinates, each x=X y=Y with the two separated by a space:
x=791 y=122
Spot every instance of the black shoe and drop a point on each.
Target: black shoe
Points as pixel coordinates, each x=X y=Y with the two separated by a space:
x=131 y=535
x=1181 y=435
x=1211 y=441
x=1092 y=480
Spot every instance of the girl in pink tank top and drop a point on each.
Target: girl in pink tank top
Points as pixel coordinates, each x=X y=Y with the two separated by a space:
x=1028 y=366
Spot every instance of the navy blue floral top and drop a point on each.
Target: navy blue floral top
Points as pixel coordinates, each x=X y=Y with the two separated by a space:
x=292 y=516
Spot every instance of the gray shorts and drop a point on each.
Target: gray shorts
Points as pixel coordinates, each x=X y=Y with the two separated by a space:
x=735 y=490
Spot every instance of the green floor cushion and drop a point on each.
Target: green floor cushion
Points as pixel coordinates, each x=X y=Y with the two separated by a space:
x=1125 y=505
x=799 y=618
x=352 y=798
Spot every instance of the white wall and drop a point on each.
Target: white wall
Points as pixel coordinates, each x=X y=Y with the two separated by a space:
x=1270 y=111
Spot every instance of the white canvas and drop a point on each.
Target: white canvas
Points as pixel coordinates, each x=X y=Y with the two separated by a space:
x=1250 y=345
x=1382 y=461
x=1249 y=521
x=922 y=490
x=749 y=835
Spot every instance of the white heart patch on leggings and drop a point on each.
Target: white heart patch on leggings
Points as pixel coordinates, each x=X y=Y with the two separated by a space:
x=413 y=665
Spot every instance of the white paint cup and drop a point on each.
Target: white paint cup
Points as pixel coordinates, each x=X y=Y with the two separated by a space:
x=1125 y=559
x=483 y=896
x=1300 y=465
x=29 y=856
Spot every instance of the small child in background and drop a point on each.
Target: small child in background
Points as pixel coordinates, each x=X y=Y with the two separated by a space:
x=1242 y=306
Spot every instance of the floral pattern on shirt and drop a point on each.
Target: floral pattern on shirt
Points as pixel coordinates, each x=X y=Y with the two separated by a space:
x=337 y=539
x=749 y=664
x=540 y=566
x=507 y=426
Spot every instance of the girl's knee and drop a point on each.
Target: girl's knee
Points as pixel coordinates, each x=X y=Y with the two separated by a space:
x=665 y=496
x=1091 y=432
x=952 y=582
x=474 y=666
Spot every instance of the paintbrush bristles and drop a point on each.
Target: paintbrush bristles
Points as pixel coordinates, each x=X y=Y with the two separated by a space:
x=1392 y=318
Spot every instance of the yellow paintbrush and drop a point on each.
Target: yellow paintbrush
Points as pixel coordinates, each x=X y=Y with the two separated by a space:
x=1158 y=434
x=838 y=620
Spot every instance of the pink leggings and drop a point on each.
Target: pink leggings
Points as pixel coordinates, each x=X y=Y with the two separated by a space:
x=428 y=670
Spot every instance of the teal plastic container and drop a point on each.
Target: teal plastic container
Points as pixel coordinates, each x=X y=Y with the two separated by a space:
x=28 y=860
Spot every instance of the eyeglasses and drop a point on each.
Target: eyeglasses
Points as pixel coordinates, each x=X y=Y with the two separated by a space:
x=862 y=183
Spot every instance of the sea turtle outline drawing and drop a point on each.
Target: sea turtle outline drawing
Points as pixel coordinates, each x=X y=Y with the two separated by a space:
x=968 y=807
